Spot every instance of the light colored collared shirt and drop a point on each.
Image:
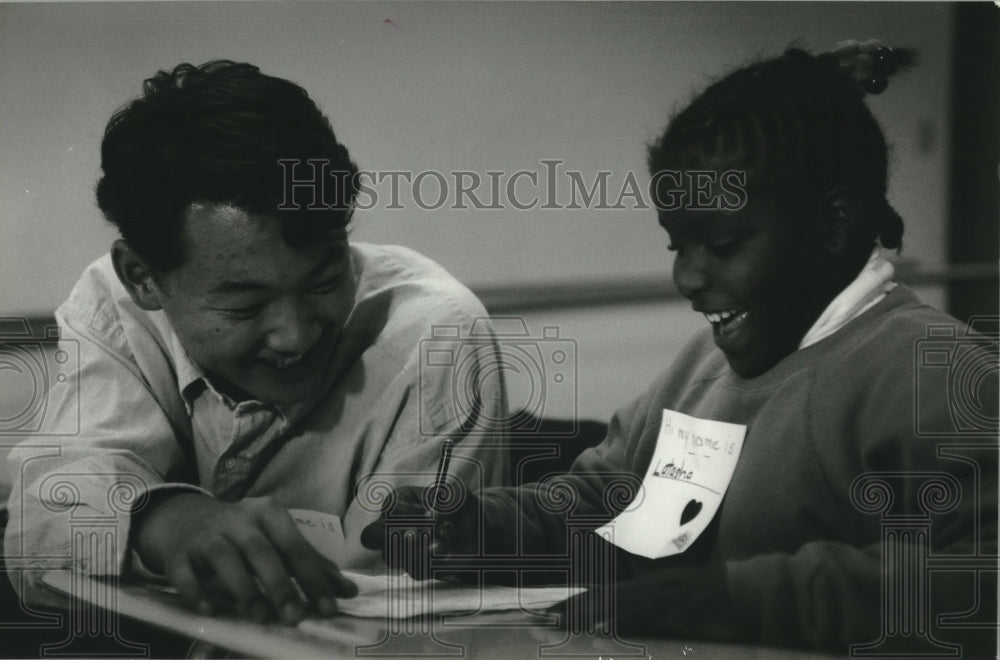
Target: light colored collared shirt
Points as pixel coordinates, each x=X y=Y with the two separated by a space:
x=865 y=291
x=417 y=362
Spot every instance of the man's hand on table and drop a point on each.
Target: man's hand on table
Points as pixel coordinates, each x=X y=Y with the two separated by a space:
x=245 y=553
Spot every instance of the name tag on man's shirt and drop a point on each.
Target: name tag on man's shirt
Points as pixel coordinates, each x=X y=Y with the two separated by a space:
x=691 y=469
x=322 y=530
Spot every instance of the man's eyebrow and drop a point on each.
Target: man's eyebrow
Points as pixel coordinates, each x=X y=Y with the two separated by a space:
x=336 y=251
x=230 y=286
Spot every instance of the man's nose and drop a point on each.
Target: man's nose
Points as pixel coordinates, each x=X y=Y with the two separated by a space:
x=296 y=329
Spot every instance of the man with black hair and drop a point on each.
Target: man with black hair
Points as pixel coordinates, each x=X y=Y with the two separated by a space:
x=239 y=357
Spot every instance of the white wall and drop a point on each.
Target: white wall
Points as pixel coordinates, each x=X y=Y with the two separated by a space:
x=451 y=86
x=445 y=86
x=620 y=350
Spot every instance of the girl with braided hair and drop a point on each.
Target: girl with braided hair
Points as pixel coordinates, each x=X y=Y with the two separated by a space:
x=795 y=413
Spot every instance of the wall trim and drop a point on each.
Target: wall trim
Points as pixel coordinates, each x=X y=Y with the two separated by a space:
x=607 y=292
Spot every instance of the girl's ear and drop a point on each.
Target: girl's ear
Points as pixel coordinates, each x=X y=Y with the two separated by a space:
x=840 y=219
x=136 y=276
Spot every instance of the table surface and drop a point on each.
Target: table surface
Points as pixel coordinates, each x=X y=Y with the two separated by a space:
x=500 y=635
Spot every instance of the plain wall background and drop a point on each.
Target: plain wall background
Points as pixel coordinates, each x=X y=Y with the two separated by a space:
x=448 y=86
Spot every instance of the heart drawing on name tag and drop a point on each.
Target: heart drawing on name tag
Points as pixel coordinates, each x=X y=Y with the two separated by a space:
x=691 y=510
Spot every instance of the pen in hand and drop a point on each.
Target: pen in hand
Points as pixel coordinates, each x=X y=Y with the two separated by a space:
x=442 y=473
x=431 y=501
x=445 y=527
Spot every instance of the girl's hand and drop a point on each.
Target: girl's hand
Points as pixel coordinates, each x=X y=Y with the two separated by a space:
x=454 y=530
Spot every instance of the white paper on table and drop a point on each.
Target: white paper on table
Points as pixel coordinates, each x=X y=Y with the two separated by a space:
x=689 y=474
x=398 y=596
x=323 y=531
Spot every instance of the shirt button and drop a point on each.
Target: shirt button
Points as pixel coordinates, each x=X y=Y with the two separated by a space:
x=230 y=463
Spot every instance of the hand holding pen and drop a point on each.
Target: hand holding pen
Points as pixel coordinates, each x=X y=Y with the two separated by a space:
x=440 y=479
x=452 y=510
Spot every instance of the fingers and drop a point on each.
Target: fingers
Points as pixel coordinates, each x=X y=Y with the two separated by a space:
x=320 y=580
x=269 y=571
x=212 y=577
x=401 y=533
x=345 y=588
x=407 y=505
x=414 y=553
x=373 y=536
x=183 y=578
x=445 y=533
x=250 y=556
x=227 y=563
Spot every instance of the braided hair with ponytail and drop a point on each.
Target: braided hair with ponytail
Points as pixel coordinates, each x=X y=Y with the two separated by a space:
x=797 y=124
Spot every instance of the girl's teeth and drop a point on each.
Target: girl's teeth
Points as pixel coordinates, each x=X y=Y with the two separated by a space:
x=719 y=317
x=733 y=320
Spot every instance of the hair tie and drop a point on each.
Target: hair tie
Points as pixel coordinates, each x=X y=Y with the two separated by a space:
x=868 y=64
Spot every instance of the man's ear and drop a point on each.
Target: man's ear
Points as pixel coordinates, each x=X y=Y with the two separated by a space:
x=136 y=275
x=840 y=218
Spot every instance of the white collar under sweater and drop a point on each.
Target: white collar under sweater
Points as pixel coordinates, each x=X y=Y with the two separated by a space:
x=867 y=289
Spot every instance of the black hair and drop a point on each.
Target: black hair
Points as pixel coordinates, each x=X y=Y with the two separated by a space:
x=215 y=133
x=796 y=124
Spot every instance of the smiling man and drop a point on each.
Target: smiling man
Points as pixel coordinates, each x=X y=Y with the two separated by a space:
x=238 y=361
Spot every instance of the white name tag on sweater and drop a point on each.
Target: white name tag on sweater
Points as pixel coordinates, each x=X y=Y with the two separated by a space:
x=691 y=469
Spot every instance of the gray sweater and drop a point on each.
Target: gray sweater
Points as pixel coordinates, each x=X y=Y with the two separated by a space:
x=802 y=553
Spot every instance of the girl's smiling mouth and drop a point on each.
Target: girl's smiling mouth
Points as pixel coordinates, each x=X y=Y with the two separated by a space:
x=730 y=330
x=727 y=321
